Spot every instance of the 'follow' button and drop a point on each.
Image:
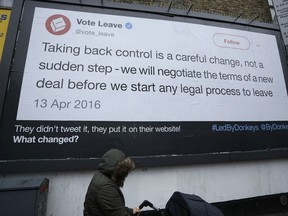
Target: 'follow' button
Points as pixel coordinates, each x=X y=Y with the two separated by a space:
x=231 y=41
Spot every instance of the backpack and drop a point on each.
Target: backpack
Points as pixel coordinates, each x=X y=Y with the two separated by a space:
x=181 y=204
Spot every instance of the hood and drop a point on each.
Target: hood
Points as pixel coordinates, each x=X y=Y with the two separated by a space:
x=109 y=161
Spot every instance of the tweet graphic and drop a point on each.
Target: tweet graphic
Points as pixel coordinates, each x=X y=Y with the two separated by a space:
x=194 y=73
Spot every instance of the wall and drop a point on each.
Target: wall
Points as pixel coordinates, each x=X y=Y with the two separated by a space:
x=213 y=182
x=248 y=9
x=6 y=3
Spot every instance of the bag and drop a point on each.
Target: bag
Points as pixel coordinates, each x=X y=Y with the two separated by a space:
x=190 y=205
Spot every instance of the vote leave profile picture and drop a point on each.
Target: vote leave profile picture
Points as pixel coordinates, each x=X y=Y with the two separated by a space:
x=58 y=24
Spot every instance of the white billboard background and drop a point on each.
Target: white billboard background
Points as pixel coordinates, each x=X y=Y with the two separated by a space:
x=252 y=90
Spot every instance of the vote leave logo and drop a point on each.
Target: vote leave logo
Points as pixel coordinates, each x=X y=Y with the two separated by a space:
x=58 y=24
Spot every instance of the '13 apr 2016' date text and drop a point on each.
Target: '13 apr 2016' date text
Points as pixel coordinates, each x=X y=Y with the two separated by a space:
x=62 y=105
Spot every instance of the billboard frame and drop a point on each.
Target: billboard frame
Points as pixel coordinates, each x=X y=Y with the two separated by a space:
x=38 y=165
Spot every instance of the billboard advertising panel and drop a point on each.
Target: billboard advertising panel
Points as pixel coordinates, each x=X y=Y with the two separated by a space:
x=92 y=81
x=281 y=10
x=4 y=21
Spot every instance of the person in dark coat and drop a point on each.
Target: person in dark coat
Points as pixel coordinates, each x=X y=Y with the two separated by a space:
x=104 y=197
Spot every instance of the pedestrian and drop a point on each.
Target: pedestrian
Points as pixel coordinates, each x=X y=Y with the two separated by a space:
x=104 y=197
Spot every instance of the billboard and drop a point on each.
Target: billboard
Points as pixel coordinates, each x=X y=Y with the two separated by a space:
x=4 y=20
x=281 y=10
x=90 y=81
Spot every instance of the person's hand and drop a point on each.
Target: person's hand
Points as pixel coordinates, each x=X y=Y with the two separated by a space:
x=136 y=211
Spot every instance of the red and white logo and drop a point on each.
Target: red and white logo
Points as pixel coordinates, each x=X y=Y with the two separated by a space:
x=58 y=24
